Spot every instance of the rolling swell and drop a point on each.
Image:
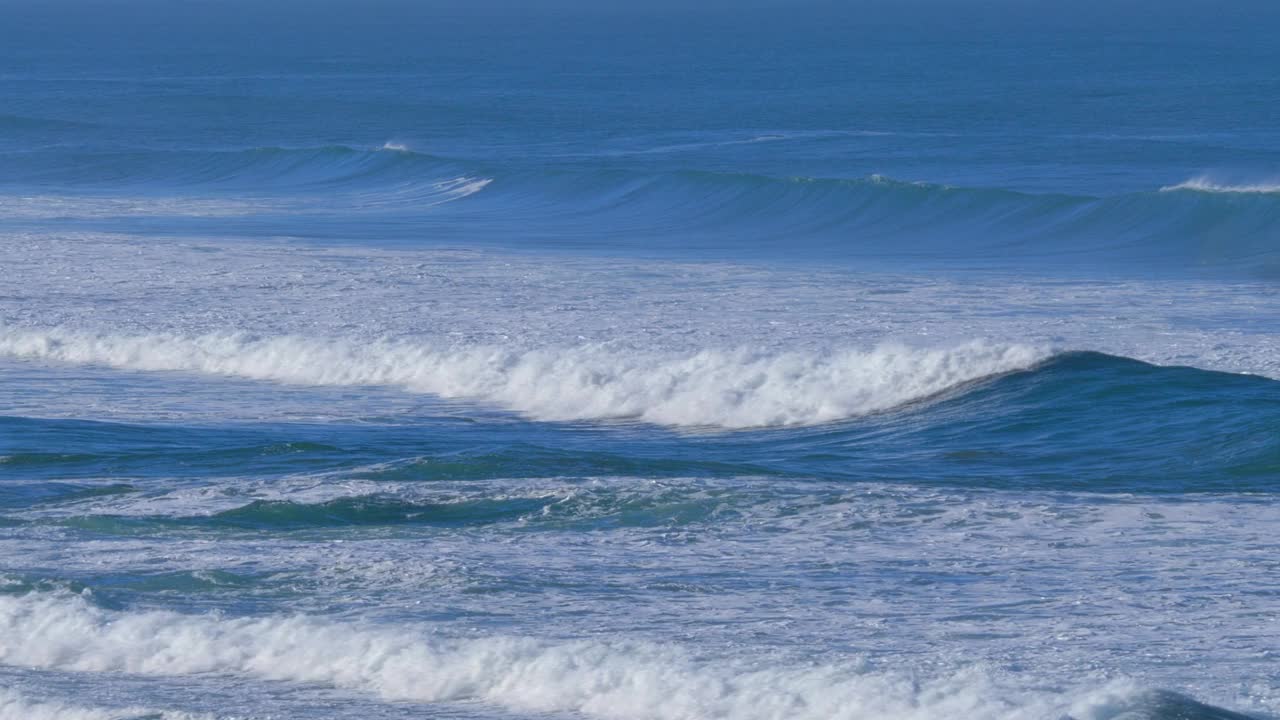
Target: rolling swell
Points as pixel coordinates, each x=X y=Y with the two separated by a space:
x=876 y=216
x=618 y=503
x=1089 y=422
x=257 y=182
x=1196 y=223
x=318 y=168
x=1073 y=421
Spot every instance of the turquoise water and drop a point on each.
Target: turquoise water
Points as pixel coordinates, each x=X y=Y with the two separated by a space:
x=750 y=363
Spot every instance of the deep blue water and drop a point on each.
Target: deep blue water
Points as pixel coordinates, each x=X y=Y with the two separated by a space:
x=828 y=361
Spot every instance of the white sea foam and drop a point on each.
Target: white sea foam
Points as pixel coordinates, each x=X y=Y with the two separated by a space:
x=730 y=389
x=436 y=193
x=15 y=705
x=462 y=186
x=1204 y=184
x=394 y=146
x=49 y=207
x=621 y=680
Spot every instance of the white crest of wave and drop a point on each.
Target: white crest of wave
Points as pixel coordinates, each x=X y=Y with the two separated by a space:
x=461 y=187
x=1204 y=184
x=18 y=706
x=728 y=389
x=394 y=146
x=615 y=681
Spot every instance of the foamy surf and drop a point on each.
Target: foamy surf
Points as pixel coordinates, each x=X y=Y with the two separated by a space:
x=615 y=680
x=717 y=388
x=51 y=207
x=1203 y=184
x=16 y=705
x=462 y=186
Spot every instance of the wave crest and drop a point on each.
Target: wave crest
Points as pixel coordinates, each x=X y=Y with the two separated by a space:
x=619 y=680
x=1204 y=184
x=718 y=388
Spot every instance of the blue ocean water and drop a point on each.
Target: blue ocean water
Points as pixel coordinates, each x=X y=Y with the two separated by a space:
x=748 y=362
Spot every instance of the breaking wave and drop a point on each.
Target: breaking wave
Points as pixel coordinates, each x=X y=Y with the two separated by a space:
x=1202 y=184
x=1078 y=421
x=719 y=388
x=621 y=680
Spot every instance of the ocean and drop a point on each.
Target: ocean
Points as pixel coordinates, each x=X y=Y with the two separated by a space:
x=759 y=361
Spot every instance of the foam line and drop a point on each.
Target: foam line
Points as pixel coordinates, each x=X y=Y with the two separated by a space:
x=1202 y=184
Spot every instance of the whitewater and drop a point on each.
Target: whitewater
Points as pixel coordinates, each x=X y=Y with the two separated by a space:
x=296 y=426
x=497 y=363
x=632 y=681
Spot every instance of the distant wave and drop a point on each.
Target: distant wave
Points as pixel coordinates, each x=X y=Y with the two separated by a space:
x=1206 y=185
x=880 y=216
x=622 y=680
x=727 y=389
x=247 y=182
x=694 y=144
x=328 y=168
x=1196 y=223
